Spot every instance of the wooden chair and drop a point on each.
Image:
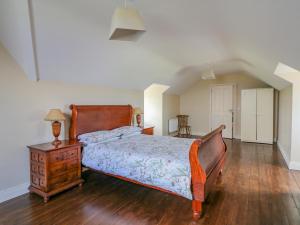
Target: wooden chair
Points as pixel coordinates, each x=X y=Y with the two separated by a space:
x=184 y=130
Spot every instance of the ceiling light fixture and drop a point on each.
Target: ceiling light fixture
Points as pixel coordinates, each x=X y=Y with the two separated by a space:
x=127 y=24
x=208 y=75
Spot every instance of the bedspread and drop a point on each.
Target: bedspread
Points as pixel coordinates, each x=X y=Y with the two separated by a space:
x=160 y=161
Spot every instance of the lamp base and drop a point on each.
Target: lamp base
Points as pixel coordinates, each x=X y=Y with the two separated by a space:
x=139 y=120
x=56 y=127
x=56 y=142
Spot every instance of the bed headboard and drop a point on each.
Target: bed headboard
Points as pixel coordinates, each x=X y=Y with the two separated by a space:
x=90 y=118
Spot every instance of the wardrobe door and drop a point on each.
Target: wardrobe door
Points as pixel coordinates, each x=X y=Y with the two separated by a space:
x=248 y=115
x=265 y=101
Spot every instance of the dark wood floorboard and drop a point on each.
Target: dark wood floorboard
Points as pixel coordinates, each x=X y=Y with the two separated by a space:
x=256 y=188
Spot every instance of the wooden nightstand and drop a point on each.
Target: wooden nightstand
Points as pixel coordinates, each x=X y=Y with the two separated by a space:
x=54 y=168
x=148 y=130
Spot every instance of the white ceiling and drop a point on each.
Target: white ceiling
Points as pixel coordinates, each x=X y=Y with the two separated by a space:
x=183 y=38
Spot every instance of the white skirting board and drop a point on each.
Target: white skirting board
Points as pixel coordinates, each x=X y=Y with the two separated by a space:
x=13 y=192
x=292 y=165
x=237 y=137
x=285 y=157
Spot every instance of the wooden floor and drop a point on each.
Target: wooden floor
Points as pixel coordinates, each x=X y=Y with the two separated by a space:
x=256 y=188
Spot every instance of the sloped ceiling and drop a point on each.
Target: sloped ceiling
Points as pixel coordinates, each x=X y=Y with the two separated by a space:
x=183 y=39
x=15 y=34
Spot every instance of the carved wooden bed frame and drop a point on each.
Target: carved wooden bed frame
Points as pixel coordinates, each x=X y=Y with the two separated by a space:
x=89 y=118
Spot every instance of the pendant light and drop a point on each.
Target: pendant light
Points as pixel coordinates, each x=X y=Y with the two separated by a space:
x=208 y=75
x=127 y=24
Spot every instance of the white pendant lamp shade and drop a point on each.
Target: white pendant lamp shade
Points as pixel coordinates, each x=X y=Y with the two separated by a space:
x=127 y=25
x=208 y=75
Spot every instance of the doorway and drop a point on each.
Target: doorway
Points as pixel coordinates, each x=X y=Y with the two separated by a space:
x=221 y=110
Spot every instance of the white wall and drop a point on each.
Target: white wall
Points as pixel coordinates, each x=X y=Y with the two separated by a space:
x=293 y=77
x=285 y=122
x=24 y=104
x=289 y=123
x=295 y=143
x=153 y=107
x=196 y=101
x=171 y=108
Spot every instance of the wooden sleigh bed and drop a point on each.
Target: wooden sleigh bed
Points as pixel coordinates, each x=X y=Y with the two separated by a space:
x=90 y=118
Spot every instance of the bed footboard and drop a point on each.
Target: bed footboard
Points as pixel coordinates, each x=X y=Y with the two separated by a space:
x=199 y=176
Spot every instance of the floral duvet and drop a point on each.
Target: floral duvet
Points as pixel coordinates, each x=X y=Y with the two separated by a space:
x=159 y=161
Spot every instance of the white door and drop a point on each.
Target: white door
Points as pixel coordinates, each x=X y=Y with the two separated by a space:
x=222 y=108
x=265 y=99
x=248 y=115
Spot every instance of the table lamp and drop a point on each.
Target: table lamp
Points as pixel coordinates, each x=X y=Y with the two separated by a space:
x=138 y=111
x=55 y=116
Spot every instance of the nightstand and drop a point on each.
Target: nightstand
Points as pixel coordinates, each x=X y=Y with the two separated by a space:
x=148 y=130
x=54 y=169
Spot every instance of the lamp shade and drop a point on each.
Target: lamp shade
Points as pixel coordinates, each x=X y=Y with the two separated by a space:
x=126 y=25
x=208 y=75
x=55 y=115
x=138 y=111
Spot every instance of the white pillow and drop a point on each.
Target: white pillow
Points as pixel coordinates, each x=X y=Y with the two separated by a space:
x=109 y=135
x=127 y=130
x=95 y=137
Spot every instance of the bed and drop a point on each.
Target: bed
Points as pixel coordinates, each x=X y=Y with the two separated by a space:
x=179 y=166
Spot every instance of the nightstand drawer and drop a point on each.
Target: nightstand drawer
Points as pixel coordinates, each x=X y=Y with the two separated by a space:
x=148 y=131
x=37 y=181
x=57 y=156
x=42 y=158
x=63 y=167
x=63 y=180
x=37 y=169
x=38 y=157
x=34 y=156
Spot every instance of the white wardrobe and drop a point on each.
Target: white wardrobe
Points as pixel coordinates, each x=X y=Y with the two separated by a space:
x=257 y=107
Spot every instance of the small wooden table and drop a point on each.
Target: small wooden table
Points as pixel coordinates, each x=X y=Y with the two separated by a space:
x=54 y=169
